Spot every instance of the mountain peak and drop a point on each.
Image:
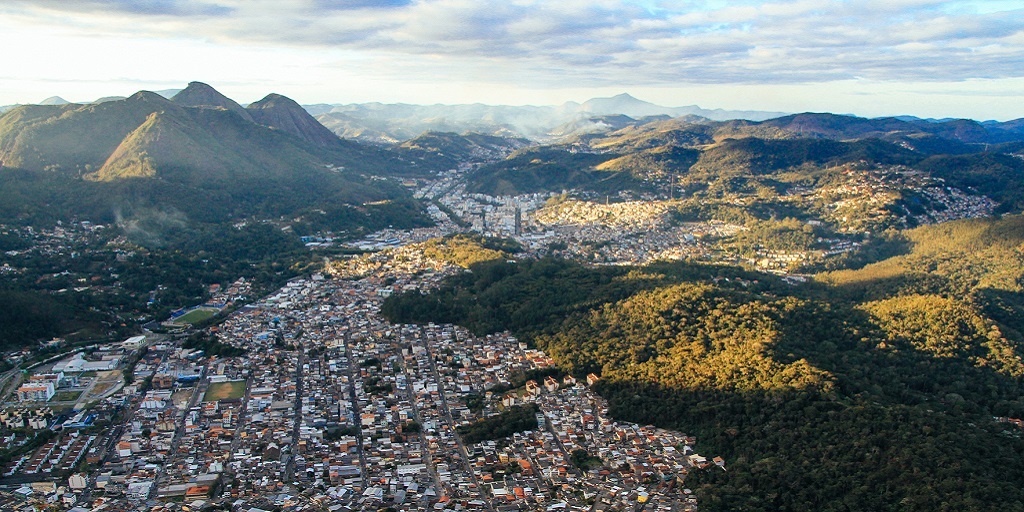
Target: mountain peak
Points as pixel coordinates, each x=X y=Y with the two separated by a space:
x=285 y=114
x=146 y=96
x=624 y=104
x=54 y=100
x=201 y=95
x=274 y=100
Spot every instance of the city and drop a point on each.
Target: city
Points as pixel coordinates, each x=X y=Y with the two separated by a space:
x=333 y=408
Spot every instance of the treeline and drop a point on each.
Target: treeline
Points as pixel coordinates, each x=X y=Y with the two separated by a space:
x=875 y=390
x=465 y=250
x=28 y=316
x=211 y=345
x=517 y=418
x=97 y=292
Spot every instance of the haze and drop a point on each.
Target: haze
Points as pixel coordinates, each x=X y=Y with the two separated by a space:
x=927 y=58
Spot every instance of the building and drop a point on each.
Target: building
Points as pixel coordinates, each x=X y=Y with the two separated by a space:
x=40 y=391
x=134 y=342
x=78 y=481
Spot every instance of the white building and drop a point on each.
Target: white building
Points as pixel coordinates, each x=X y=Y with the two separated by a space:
x=40 y=391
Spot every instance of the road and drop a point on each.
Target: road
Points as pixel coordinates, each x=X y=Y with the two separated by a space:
x=356 y=411
x=7 y=378
x=289 y=468
x=237 y=438
x=448 y=417
x=179 y=429
x=416 y=415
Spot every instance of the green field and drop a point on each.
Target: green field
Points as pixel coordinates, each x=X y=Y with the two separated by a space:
x=224 y=391
x=196 y=316
x=67 y=396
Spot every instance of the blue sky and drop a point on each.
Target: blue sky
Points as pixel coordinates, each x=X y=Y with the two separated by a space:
x=868 y=57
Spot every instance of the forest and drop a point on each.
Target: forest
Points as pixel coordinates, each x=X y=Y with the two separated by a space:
x=165 y=269
x=870 y=389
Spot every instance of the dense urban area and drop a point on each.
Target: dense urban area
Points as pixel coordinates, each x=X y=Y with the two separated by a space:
x=307 y=399
x=329 y=407
x=209 y=307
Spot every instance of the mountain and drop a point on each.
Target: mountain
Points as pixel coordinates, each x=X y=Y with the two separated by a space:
x=168 y=93
x=194 y=154
x=283 y=113
x=198 y=94
x=549 y=169
x=445 y=150
x=54 y=100
x=392 y=123
x=630 y=106
x=626 y=105
x=695 y=153
x=855 y=391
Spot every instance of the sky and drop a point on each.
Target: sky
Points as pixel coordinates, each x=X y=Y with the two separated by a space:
x=930 y=58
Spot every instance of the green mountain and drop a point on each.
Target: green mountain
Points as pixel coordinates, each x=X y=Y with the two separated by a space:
x=544 y=169
x=284 y=114
x=876 y=389
x=446 y=150
x=208 y=161
x=716 y=159
x=198 y=94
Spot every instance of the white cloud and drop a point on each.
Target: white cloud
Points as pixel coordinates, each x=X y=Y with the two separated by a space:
x=518 y=43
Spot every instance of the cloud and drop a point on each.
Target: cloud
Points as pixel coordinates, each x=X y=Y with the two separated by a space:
x=136 y=7
x=604 y=42
x=345 y=5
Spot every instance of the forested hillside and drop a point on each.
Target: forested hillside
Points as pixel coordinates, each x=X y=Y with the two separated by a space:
x=874 y=389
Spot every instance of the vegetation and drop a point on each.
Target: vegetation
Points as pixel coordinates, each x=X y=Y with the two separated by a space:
x=211 y=345
x=197 y=315
x=548 y=169
x=224 y=391
x=583 y=460
x=99 y=285
x=466 y=250
x=872 y=389
x=517 y=418
x=441 y=151
x=31 y=315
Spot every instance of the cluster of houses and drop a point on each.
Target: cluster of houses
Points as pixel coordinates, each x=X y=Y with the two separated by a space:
x=333 y=408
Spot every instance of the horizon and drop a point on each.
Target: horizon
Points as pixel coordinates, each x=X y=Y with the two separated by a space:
x=553 y=105
x=873 y=58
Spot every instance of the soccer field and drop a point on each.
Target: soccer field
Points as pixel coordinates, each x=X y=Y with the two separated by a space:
x=224 y=391
x=196 y=315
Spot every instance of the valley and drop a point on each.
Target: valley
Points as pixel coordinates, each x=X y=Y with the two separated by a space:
x=603 y=312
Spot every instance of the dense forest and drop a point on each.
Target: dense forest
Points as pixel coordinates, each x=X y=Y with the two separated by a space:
x=102 y=285
x=871 y=389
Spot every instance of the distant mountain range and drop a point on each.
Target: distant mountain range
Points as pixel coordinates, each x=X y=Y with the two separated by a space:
x=392 y=123
x=644 y=156
x=198 y=152
x=206 y=154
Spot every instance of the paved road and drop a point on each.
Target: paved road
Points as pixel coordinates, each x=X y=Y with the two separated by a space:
x=179 y=429
x=451 y=422
x=289 y=468
x=355 y=409
x=411 y=397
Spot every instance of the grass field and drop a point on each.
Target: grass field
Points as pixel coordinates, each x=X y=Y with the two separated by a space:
x=224 y=391
x=67 y=396
x=195 y=316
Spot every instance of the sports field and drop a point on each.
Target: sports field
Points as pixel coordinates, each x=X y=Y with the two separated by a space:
x=224 y=391
x=195 y=316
